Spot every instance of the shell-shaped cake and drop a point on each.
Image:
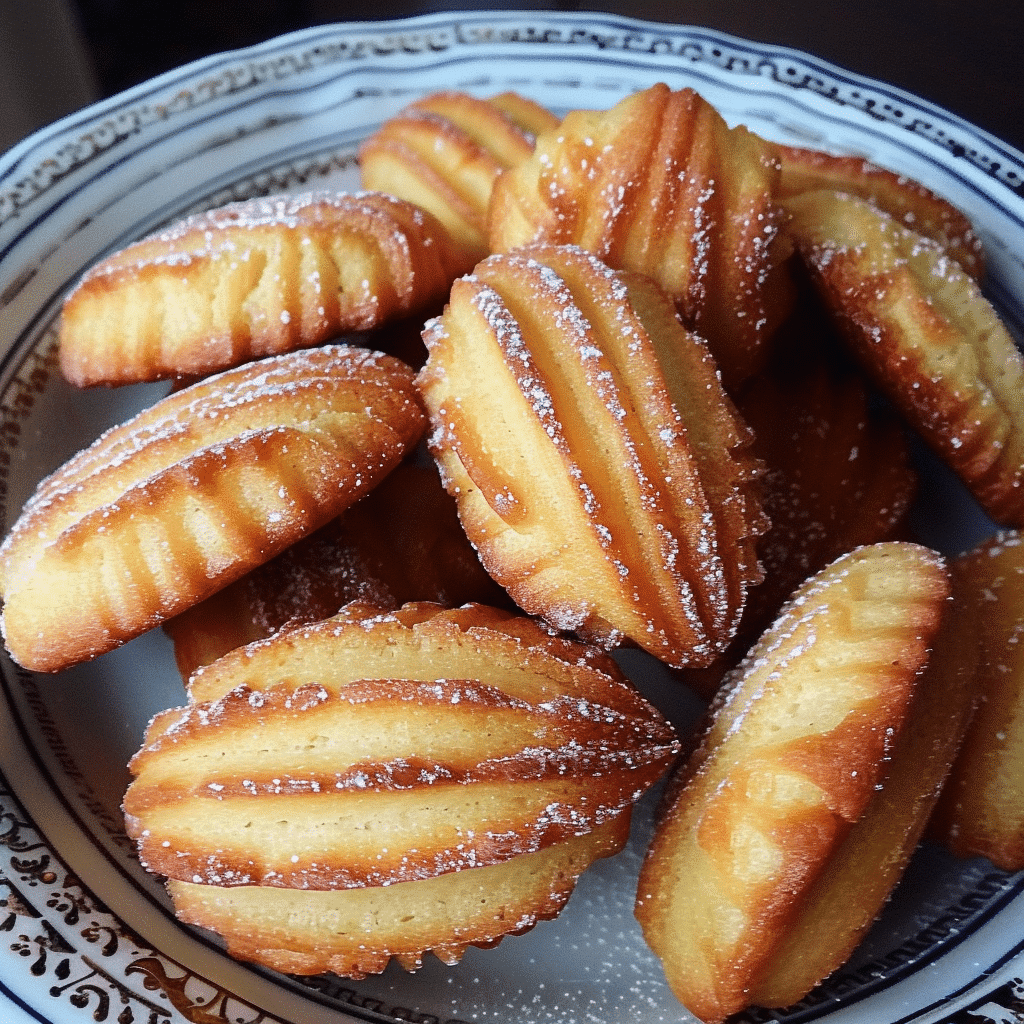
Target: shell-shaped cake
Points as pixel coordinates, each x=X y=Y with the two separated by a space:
x=401 y=761
x=253 y=279
x=196 y=490
x=933 y=342
x=600 y=470
x=445 y=151
x=905 y=200
x=846 y=899
x=793 y=750
x=660 y=184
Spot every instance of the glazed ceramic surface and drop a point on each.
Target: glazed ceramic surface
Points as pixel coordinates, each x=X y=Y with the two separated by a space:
x=85 y=934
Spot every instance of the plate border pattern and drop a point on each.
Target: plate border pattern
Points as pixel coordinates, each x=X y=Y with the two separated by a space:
x=62 y=933
x=233 y=73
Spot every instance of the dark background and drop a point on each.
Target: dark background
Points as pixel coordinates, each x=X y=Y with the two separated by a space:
x=59 y=55
x=965 y=56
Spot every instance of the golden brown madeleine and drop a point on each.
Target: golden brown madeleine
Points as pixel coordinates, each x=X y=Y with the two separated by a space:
x=981 y=812
x=187 y=496
x=846 y=899
x=377 y=748
x=600 y=470
x=661 y=185
x=444 y=152
x=488 y=738
x=793 y=750
x=402 y=542
x=904 y=199
x=254 y=279
x=932 y=341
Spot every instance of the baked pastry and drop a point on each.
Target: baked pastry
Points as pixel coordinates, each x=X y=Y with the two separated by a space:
x=793 y=750
x=600 y=470
x=905 y=200
x=981 y=811
x=931 y=340
x=377 y=762
x=253 y=279
x=443 y=153
x=402 y=542
x=191 y=493
x=661 y=185
x=846 y=899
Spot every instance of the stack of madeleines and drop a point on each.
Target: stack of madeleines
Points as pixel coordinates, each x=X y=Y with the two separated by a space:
x=645 y=413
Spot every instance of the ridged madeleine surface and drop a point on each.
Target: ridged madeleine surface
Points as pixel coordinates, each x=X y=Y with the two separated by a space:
x=661 y=185
x=934 y=344
x=848 y=896
x=374 y=749
x=445 y=151
x=981 y=813
x=254 y=279
x=528 y=115
x=600 y=470
x=905 y=200
x=196 y=490
x=790 y=759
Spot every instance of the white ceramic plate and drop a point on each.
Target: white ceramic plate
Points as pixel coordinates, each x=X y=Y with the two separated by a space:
x=85 y=935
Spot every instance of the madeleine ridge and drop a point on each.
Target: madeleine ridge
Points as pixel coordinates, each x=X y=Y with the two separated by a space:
x=661 y=185
x=253 y=279
x=377 y=759
x=600 y=470
x=444 y=153
x=168 y=507
x=922 y=327
x=793 y=751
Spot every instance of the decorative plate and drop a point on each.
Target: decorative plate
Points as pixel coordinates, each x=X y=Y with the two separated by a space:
x=85 y=934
